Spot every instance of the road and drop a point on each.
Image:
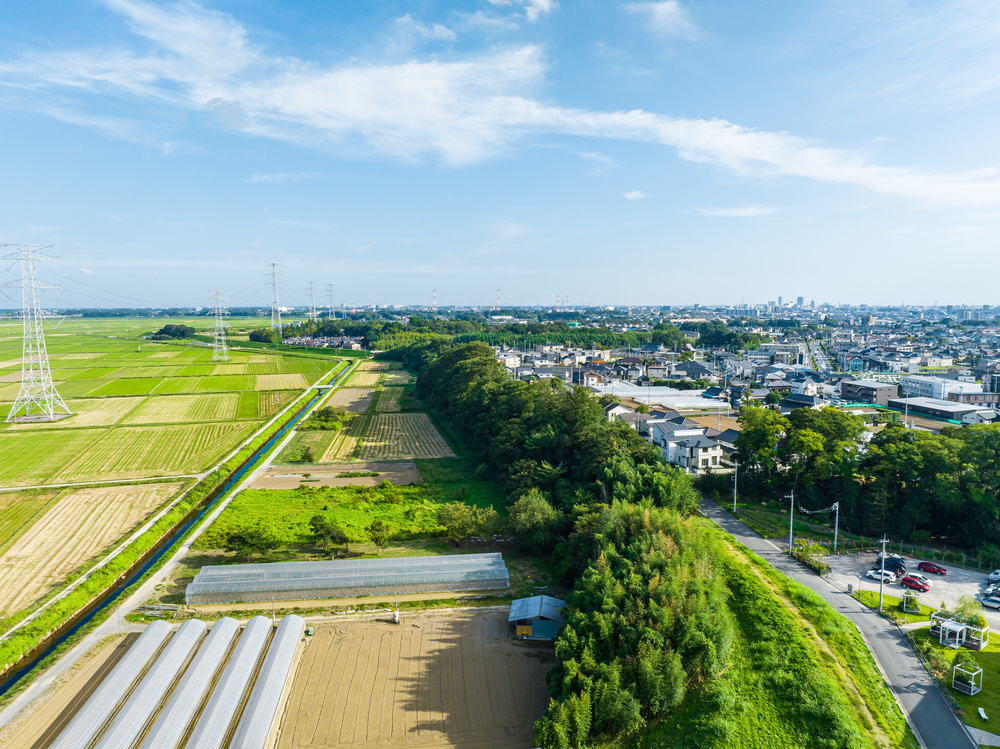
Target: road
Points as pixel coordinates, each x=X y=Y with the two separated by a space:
x=927 y=710
x=822 y=363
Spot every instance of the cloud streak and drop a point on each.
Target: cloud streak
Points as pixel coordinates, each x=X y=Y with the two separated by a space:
x=744 y=211
x=666 y=17
x=461 y=112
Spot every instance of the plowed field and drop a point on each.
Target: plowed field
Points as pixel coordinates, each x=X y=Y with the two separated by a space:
x=362 y=379
x=388 y=399
x=403 y=437
x=428 y=683
x=77 y=527
x=353 y=399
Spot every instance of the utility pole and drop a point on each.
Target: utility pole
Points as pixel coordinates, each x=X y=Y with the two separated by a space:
x=836 y=523
x=736 y=476
x=37 y=398
x=275 y=305
x=881 y=582
x=220 y=351
x=791 y=519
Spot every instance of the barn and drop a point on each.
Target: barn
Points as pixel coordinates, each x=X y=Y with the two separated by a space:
x=536 y=618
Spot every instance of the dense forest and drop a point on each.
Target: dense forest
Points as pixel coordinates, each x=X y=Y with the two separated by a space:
x=911 y=484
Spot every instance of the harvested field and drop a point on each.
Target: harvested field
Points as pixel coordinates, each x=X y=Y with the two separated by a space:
x=167 y=409
x=281 y=382
x=81 y=524
x=272 y=402
x=397 y=377
x=353 y=399
x=88 y=412
x=402 y=437
x=11 y=377
x=229 y=369
x=388 y=400
x=361 y=379
x=18 y=510
x=432 y=682
x=367 y=365
x=346 y=441
x=40 y=722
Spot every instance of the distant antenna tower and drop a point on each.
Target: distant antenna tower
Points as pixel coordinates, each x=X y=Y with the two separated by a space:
x=330 y=288
x=220 y=351
x=38 y=399
x=312 y=301
x=498 y=300
x=275 y=308
x=557 y=302
x=435 y=301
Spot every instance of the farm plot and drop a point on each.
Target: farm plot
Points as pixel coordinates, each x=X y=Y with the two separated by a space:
x=32 y=457
x=88 y=412
x=175 y=385
x=353 y=399
x=272 y=402
x=281 y=382
x=167 y=409
x=81 y=524
x=346 y=441
x=18 y=510
x=133 y=386
x=361 y=379
x=434 y=683
x=225 y=383
x=388 y=400
x=141 y=452
x=369 y=365
x=229 y=369
x=402 y=437
x=397 y=377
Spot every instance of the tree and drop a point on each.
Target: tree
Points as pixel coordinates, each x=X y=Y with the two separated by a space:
x=326 y=533
x=173 y=331
x=773 y=398
x=459 y=521
x=379 y=534
x=257 y=539
x=534 y=522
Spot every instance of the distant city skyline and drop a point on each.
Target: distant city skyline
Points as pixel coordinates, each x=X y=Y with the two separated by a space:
x=652 y=153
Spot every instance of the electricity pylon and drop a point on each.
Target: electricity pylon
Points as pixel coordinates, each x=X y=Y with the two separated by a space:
x=331 y=288
x=220 y=351
x=312 y=301
x=275 y=308
x=38 y=397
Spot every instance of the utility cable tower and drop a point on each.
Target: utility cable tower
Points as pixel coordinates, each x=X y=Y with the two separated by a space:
x=498 y=300
x=220 y=351
x=37 y=399
x=312 y=301
x=331 y=288
x=275 y=308
x=435 y=301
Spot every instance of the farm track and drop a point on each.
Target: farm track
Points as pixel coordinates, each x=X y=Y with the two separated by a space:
x=79 y=526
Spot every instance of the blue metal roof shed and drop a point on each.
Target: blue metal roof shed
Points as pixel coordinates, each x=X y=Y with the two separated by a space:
x=536 y=618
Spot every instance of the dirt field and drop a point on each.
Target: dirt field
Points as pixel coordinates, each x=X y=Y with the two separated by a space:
x=80 y=525
x=43 y=719
x=397 y=377
x=353 y=399
x=430 y=682
x=403 y=437
x=326 y=475
x=388 y=401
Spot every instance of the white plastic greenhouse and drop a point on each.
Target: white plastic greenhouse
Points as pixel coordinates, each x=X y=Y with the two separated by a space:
x=284 y=581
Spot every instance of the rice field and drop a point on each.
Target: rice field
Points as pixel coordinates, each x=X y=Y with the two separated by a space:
x=82 y=523
x=356 y=400
x=370 y=365
x=362 y=379
x=388 y=400
x=397 y=378
x=185 y=409
x=18 y=510
x=402 y=437
x=288 y=381
x=346 y=442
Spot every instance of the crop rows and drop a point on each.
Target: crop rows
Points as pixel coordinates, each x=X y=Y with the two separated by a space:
x=353 y=399
x=388 y=400
x=346 y=442
x=280 y=382
x=396 y=378
x=367 y=365
x=361 y=379
x=403 y=436
x=18 y=510
x=186 y=409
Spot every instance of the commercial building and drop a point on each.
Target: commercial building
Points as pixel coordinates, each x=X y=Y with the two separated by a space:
x=920 y=386
x=940 y=409
x=868 y=391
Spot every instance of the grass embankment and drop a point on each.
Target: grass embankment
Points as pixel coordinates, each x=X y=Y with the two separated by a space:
x=801 y=676
x=892 y=607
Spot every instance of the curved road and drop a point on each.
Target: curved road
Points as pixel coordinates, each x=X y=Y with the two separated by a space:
x=926 y=709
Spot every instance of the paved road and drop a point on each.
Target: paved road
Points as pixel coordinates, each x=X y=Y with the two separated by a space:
x=929 y=713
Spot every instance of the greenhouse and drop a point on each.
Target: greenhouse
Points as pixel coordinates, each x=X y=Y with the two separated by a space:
x=285 y=581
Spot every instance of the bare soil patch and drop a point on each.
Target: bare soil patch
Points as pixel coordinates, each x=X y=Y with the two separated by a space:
x=286 y=477
x=80 y=525
x=429 y=682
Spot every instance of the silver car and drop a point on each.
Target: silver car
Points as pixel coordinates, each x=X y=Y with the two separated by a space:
x=992 y=602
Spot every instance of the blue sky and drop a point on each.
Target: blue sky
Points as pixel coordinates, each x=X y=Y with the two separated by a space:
x=609 y=152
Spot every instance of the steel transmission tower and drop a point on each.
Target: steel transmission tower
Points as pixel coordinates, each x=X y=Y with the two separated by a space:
x=312 y=301
x=38 y=398
x=220 y=351
x=330 y=288
x=275 y=308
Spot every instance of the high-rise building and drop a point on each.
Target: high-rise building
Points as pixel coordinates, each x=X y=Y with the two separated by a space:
x=799 y=301
x=780 y=300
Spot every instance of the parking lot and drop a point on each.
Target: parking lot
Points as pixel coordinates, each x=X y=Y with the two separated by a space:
x=849 y=569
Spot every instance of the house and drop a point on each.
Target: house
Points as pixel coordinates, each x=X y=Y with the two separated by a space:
x=536 y=618
x=687 y=447
x=614 y=410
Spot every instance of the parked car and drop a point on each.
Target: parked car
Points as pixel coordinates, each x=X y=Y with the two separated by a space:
x=994 y=576
x=913 y=583
x=896 y=571
x=992 y=590
x=934 y=569
x=922 y=578
x=992 y=602
x=887 y=576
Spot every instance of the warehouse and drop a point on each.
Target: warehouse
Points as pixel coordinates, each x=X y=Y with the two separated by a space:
x=536 y=618
x=286 y=581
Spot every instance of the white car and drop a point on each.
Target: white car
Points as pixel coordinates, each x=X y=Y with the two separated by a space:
x=994 y=576
x=922 y=578
x=887 y=576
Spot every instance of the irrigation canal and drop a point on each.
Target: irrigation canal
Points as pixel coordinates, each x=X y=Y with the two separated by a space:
x=108 y=598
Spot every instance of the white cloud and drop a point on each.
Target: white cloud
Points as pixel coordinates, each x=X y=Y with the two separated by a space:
x=744 y=211
x=665 y=17
x=281 y=177
x=87 y=271
x=600 y=158
x=461 y=111
x=634 y=195
x=432 y=31
x=482 y=21
x=534 y=9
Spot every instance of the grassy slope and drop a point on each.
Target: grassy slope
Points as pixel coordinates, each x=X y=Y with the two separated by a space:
x=798 y=665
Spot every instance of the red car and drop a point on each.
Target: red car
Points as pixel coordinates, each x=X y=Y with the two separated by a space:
x=914 y=584
x=931 y=567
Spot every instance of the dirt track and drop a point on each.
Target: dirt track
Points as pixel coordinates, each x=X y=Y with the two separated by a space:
x=429 y=682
